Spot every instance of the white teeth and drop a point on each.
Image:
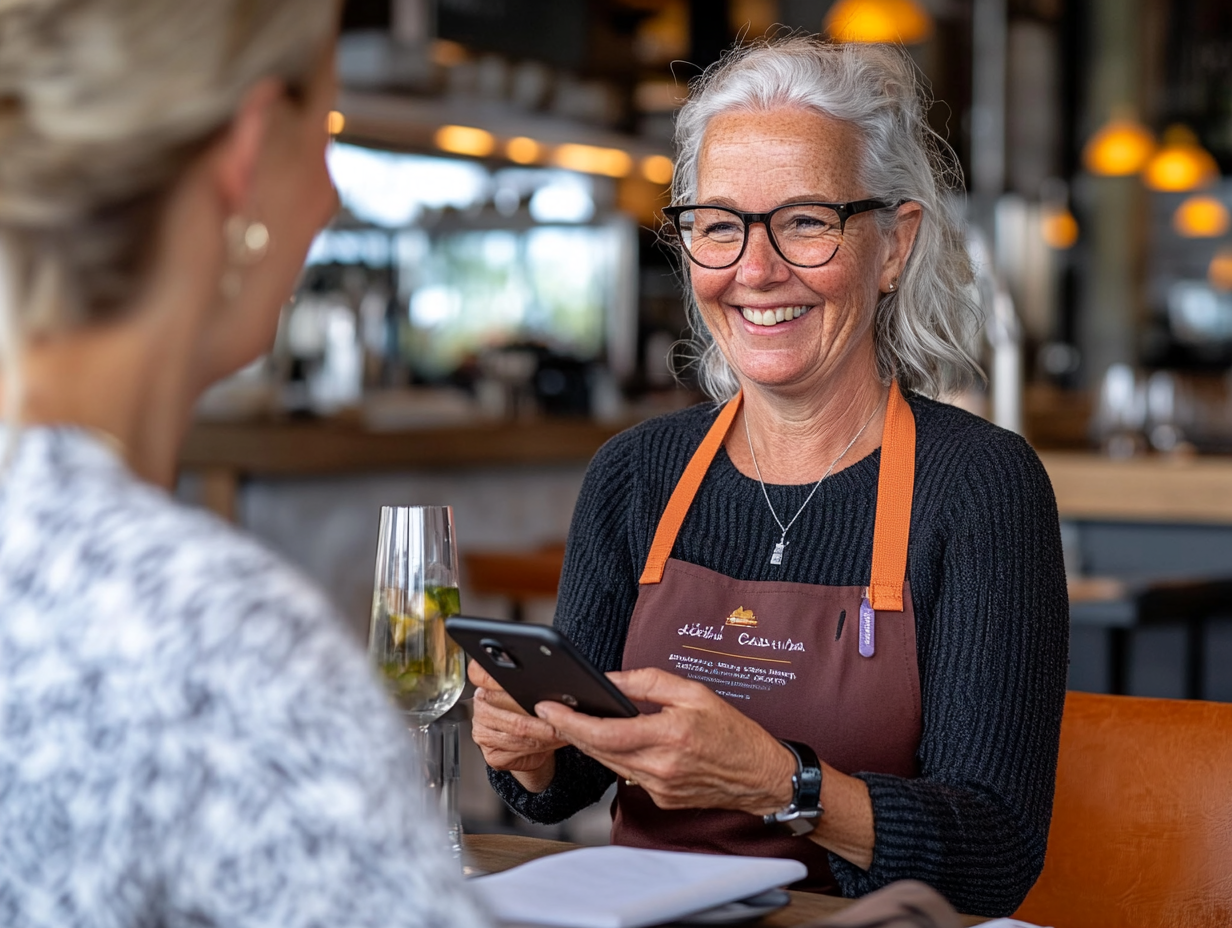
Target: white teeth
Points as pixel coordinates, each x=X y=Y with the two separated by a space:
x=772 y=317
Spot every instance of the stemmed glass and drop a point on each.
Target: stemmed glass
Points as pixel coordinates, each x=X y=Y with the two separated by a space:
x=415 y=590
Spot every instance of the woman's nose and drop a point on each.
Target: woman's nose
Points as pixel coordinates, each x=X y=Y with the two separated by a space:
x=760 y=265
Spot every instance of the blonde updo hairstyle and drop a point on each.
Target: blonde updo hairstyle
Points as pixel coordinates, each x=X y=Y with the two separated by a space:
x=924 y=329
x=103 y=105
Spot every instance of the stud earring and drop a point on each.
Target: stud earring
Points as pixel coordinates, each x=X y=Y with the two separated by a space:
x=894 y=285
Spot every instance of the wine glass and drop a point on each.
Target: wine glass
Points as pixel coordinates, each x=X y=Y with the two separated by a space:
x=415 y=590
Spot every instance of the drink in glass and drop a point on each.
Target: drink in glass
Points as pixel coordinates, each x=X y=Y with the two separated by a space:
x=415 y=590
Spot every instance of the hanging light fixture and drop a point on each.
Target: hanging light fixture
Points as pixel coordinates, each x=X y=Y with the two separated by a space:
x=871 y=21
x=464 y=140
x=1201 y=216
x=1220 y=271
x=1058 y=227
x=1121 y=147
x=1181 y=164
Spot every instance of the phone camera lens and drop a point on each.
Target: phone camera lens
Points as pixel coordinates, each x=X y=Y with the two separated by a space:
x=568 y=700
x=499 y=655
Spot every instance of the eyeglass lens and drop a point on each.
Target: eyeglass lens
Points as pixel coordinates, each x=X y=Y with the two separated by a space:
x=806 y=235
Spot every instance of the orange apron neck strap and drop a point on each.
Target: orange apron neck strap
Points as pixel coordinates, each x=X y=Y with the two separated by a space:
x=894 y=488
x=686 y=489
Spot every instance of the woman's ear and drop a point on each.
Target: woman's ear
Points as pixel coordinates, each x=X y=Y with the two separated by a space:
x=902 y=240
x=238 y=151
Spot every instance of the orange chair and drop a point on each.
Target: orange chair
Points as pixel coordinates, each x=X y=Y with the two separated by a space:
x=1141 y=832
x=516 y=576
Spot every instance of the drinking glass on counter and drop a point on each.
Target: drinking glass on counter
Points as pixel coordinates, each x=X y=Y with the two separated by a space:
x=415 y=590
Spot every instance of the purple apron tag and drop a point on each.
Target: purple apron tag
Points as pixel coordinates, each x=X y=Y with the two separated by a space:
x=867 y=615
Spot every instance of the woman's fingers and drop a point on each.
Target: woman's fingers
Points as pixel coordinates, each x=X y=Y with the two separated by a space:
x=509 y=738
x=495 y=694
x=612 y=742
x=480 y=677
x=697 y=752
x=497 y=711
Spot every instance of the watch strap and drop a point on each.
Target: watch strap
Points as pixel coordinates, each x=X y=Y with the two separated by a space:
x=801 y=814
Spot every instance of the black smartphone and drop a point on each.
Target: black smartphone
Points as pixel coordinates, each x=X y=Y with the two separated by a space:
x=535 y=663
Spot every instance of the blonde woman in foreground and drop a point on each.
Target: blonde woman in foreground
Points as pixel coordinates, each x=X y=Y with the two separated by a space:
x=187 y=736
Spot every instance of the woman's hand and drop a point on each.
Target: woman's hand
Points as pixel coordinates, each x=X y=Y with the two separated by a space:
x=697 y=753
x=508 y=737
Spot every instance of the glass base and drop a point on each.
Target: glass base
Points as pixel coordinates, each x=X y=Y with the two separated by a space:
x=438 y=748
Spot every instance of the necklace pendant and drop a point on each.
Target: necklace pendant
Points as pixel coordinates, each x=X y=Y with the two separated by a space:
x=777 y=556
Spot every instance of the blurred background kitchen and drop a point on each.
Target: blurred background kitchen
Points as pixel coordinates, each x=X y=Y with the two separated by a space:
x=493 y=301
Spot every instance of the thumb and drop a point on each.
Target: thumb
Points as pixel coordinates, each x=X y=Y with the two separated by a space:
x=553 y=712
x=650 y=684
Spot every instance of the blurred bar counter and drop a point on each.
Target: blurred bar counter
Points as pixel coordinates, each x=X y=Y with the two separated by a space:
x=224 y=454
x=1180 y=488
x=1090 y=486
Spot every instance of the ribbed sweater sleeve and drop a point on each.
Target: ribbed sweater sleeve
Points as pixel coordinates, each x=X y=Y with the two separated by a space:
x=993 y=661
x=988 y=585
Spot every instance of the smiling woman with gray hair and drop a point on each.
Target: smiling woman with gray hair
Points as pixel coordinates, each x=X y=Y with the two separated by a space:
x=844 y=600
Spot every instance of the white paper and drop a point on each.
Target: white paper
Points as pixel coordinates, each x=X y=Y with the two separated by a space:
x=625 y=887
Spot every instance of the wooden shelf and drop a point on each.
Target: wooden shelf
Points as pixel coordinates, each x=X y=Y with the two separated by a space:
x=1149 y=489
x=316 y=448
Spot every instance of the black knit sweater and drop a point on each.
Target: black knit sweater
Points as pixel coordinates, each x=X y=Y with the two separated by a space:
x=988 y=585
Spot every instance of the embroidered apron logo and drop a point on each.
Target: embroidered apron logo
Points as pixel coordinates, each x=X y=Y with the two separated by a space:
x=775 y=644
x=697 y=630
x=742 y=617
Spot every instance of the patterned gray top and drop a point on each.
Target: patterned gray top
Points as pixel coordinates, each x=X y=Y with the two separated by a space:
x=187 y=735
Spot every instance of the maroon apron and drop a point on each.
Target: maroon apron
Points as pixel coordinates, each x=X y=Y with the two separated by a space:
x=788 y=655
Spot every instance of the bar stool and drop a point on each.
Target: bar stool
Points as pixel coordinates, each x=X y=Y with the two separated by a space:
x=515 y=576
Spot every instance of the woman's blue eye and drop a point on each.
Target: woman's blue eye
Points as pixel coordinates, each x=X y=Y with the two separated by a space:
x=808 y=224
x=721 y=229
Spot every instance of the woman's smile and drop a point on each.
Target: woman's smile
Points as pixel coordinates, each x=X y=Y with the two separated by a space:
x=773 y=316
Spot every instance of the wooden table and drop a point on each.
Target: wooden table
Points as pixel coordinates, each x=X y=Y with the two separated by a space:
x=494 y=853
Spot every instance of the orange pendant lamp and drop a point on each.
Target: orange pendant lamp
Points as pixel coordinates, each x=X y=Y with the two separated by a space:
x=1059 y=228
x=1220 y=271
x=1181 y=164
x=1201 y=216
x=1121 y=147
x=874 y=21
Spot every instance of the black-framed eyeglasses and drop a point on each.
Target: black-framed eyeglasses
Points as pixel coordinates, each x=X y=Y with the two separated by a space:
x=803 y=234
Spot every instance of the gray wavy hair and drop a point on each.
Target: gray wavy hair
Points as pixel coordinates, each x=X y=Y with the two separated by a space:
x=103 y=104
x=924 y=329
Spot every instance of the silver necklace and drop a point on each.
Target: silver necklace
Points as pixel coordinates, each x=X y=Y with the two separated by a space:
x=777 y=556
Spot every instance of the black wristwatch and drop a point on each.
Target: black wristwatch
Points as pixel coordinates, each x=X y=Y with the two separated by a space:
x=804 y=811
